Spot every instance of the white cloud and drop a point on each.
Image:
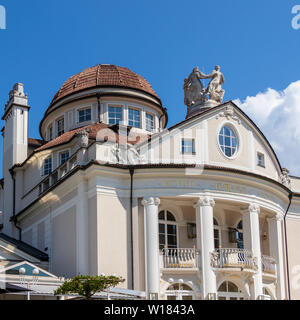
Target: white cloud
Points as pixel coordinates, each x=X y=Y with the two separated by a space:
x=277 y=114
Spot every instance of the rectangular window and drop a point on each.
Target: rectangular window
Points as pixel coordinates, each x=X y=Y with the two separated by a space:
x=188 y=146
x=50 y=132
x=260 y=160
x=134 y=118
x=47 y=166
x=63 y=157
x=60 y=127
x=115 y=115
x=84 y=115
x=149 y=122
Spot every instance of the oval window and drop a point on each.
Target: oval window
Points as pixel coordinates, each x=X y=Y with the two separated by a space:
x=228 y=141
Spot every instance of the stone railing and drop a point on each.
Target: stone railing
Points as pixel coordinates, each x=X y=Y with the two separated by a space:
x=268 y=264
x=233 y=258
x=57 y=174
x=179 y=258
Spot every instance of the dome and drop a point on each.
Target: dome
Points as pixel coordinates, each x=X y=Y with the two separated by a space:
x=104 y=75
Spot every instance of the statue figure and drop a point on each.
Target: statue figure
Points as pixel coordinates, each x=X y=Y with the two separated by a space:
x=116 y=154
x=133 y=156
x=214 y=88
x=194 y=91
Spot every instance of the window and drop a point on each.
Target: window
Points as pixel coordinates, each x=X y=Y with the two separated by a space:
x=260 y=159
x=60 y=127
x=188 y=146
x=216 y=234
x=115 y=115
x=240 y=238
x=47 y=166
x=63 y=157
x=149 y=122
x=84 y=115
x=229 y=291
x=134 y=118
x=50 y=132
x=179 y=291
x=167 y=230
x=228 y=141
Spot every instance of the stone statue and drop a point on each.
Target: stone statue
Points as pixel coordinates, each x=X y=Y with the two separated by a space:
x=214 y=88
x=194 y=91
x=133 y=156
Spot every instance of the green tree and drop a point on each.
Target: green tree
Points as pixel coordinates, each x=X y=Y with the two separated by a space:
x=87 y=286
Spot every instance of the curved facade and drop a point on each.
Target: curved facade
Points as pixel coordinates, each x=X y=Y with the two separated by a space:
x=201 y=210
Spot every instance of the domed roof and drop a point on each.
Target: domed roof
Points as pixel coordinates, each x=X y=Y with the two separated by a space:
x=104 y=75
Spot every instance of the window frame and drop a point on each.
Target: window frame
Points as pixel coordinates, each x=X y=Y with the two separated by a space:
x=132 y=108
x=121 y=107
x=42 y=172
x=167 y=222
x=230 y=126
x=263 y=164
x=218 y=228
x=50 y=132
x=193 y=152
x=59 y=157
x=57 y=126
x=83 y=109
x=146 y=121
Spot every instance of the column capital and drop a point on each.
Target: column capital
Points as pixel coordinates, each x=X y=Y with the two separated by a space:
x=205 y=201
x=277 y=217
x=252 y=208
x=150 y=201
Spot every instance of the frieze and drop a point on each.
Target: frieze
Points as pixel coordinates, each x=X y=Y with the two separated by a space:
x=214 y=186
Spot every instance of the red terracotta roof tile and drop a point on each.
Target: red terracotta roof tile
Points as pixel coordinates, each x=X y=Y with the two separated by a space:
x=98 y=131
x=103 y=75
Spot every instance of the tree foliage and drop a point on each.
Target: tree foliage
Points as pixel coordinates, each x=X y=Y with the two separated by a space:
x=87 y=286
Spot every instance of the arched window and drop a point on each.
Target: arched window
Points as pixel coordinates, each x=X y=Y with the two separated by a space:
x=240 y=238
x=167 y=230
x=217 y=234
x=179 y=291
x=229 y=291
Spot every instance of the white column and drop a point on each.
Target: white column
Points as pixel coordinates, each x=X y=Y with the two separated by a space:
x=151 y=247
x=276 y=251
x=82 y=229
x=251 y=234
x=205 y=243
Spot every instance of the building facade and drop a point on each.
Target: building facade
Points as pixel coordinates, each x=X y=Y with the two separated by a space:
x=199 y=210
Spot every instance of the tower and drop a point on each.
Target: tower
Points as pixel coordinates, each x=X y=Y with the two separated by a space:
x=15 y=145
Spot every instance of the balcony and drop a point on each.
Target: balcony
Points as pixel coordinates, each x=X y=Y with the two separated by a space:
x=57 y=174
x=268 y=267
x=183 y=259
x=234 y=260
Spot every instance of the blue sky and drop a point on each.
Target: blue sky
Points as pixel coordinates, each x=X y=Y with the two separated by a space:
x=48 y=41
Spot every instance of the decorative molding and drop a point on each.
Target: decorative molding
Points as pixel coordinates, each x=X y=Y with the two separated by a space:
x=229 y=113
x=150 y=201
x=285 y=178
x=83 y=139
x=252 y=208
x=276 y=217
x=205 y=201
